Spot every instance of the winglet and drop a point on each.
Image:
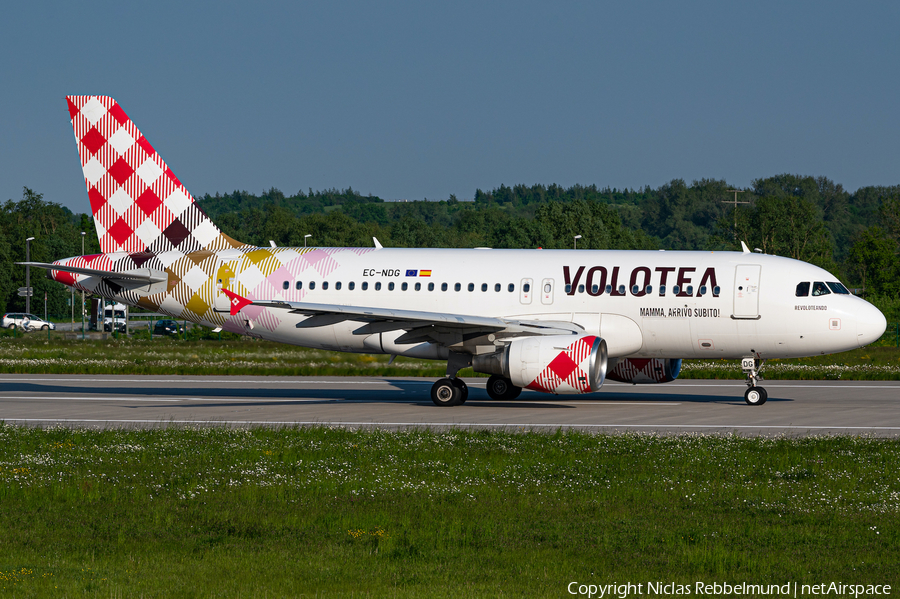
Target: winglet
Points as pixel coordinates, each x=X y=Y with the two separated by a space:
x=744 y=248
x=377 y=243
x=237 y=302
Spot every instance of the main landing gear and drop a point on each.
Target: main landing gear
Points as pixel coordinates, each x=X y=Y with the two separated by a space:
x=452 y=391
x=501 y=388
x=449 y=392
x=754 y=395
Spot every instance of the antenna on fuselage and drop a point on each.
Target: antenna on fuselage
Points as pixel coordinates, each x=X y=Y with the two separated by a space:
x=378 y=245
x=744 y=248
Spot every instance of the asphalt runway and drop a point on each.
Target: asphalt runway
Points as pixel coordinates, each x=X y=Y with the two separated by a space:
x=795 y=408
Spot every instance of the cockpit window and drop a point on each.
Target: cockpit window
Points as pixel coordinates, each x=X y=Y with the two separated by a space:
x=819 y=288
x=838 y=288
x=803 y=289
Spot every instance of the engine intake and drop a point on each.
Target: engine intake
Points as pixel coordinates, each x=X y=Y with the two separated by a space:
x=561 y=364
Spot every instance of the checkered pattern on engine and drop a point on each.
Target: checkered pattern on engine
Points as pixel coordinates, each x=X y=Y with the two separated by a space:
x=569 y=371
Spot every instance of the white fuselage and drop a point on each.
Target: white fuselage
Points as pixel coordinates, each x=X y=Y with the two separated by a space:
x=700 y=304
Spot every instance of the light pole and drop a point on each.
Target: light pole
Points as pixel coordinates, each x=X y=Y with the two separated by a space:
x=82 y=292
x=28 y=275
x=577 y=237
x=304 y=238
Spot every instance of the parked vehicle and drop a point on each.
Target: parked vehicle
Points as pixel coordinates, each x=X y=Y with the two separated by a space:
x=26 y=322
x=108 y=325
x=167 y=327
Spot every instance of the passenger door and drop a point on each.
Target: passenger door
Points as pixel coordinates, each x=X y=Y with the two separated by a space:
x=746 y=291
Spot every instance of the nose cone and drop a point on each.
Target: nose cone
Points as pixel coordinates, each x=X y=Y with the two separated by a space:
x=870 y=323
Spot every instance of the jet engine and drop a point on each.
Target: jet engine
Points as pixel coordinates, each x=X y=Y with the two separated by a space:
x=562 y=364
x=641 y=371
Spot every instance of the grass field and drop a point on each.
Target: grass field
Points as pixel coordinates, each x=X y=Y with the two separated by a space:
x=36 y=354
x=323 y=512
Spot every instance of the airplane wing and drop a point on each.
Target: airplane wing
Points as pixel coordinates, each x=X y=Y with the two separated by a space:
x=420 y=326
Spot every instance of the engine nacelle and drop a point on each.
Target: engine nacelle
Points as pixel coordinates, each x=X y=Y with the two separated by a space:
x=642 y=371
x=562 y=364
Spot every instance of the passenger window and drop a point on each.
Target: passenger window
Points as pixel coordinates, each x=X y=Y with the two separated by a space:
x=337 y=286
x=676 y=289
x=484 y=287
x=431 y=286
x=662 y=289
x=621 y=289
x=443 y=286
x=286 y=285
x=511 y=287
x=497 y=287
x=802 y=289
x=819 y=288
x=351 y=285
x=526 y=287
x=457 y=287
x=365 y=286
x=471 y=287
x=378 y=286
x=324 y=285
x=838 y=288
x=649 y=289
x=391 y=286
x=595 y=289
x=702 y=289
x=568 y=288
x=635 y=289
x=312 y=285
x=716 y=290
x=404 y=287
x=299 y=285
x=418 y=286
x=581 y=289
x=609 y=289
x=689 y=290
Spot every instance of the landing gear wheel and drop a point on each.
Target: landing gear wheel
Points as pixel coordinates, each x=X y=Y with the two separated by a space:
x=463 y=390
x=445 y=393
x=756 y=396
x=501 y=388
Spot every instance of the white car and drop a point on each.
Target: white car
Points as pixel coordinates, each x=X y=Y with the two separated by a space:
x=28 y=322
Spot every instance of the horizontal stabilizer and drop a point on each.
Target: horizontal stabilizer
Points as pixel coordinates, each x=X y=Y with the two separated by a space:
x=148 y=276
x=143 y=281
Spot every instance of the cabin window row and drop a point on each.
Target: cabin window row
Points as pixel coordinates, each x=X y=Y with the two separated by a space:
x=595 y=290
x=311 y=285
x=636 y=290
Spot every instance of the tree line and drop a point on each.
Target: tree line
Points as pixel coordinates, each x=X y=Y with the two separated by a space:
x=855 y=235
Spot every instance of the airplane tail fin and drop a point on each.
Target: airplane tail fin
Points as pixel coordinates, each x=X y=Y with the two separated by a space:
x=138 y=203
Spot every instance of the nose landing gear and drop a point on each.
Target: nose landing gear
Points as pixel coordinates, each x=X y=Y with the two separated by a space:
x=754 y=395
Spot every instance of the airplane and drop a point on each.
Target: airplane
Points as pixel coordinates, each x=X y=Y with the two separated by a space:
x=555 y=321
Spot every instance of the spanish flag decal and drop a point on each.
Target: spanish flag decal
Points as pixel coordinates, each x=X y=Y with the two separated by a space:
x=424 y=273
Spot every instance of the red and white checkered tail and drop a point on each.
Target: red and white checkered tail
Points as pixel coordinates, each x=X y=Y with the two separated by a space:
x=139 y=205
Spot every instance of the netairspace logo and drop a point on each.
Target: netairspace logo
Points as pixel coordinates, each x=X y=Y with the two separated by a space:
x=719 y=589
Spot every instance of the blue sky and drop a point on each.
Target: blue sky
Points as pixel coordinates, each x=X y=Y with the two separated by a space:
x=423 y=99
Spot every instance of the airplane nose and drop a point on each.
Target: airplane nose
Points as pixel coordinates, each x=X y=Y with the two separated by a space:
x=870 y=323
